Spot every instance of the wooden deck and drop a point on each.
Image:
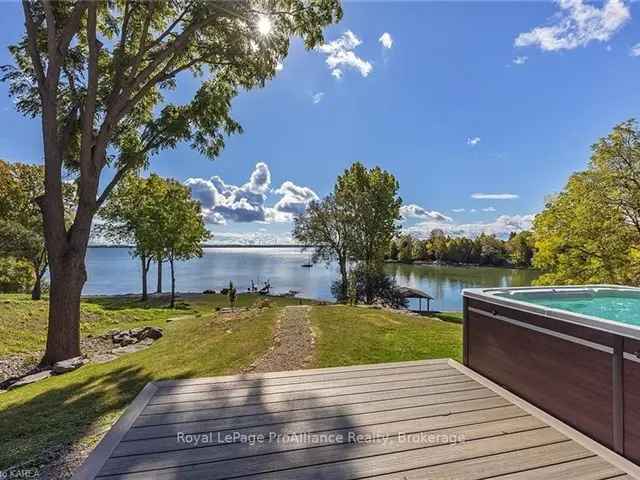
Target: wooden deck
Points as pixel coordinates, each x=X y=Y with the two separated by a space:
x=413 y=420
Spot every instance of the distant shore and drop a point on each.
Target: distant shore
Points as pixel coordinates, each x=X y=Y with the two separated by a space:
x=223 y=245
x=435 y=263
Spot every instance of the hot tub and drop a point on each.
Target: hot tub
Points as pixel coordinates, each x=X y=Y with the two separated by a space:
x=571 y=351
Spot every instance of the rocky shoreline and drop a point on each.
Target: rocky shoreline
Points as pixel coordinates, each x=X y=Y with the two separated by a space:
x=20 y=370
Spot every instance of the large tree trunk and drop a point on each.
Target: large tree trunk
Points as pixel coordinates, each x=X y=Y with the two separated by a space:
x=345 y=280
x=173 y=284
x=68 y=276
x=40 y=266
x=36 y=292
x=159 y=288
x=145 y=268
x=67 y=247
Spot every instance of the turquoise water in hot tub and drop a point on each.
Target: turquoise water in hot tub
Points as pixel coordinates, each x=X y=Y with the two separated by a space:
x=619 y=306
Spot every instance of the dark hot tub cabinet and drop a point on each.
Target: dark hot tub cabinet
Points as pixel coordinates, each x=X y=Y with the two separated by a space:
x=583 y=370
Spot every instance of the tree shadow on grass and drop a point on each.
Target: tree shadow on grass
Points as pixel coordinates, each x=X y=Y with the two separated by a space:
x=60 y=416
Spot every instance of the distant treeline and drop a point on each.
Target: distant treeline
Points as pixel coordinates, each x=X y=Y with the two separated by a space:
x=225 y=245
x=485 y=249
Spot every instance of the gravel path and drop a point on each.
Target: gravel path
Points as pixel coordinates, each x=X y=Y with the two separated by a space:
x=293 y=343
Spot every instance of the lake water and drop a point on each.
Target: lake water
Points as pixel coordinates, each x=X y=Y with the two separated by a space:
x=114 y=271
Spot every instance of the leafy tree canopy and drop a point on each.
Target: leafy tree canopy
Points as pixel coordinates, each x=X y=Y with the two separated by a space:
x=98 y=73
x=21 y=223
x=370 y=197
x=590 y=232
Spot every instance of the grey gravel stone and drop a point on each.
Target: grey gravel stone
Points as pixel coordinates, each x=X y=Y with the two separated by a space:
x=29 y=379
x=69 y=365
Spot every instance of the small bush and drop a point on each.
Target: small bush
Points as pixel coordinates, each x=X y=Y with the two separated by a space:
x=16 y=276
x=382 y=286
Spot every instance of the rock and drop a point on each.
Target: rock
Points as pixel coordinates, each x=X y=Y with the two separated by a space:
x=153 y=333
x=29 y=379
x=135 y=332
x=68 y=365
x=123 y=339
x=129 y=349
x=103 y=358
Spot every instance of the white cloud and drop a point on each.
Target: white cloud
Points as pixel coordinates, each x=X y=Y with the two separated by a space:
x=386 y=40
x=222 y=202
x=415 y=211
x=520 y=60
x=489 y=209
x=457 y=210
x=259 y=237
x=340 y=54
x=635 y=50
x=279 y=66
x=494 y=196
x=473 y=141
x=501 y=227
x=317 y=97
x=576 y=25
x=295 y=199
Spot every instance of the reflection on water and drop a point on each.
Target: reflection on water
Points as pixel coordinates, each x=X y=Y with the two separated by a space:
x=113 y=271
x=445 y=283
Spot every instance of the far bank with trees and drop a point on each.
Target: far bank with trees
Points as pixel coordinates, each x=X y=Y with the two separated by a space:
x=484 y=250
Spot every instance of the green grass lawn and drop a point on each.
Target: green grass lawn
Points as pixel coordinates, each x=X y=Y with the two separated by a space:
x=23 y=322
x=353 y=335
x=79 y=406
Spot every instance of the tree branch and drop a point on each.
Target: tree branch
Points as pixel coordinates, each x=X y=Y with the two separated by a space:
x=71 y=27
x=89 y=109
x=33 y=48
x=114 y=181
x=170 y=28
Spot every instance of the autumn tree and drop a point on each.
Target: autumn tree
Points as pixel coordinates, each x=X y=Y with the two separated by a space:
x=96 y=73
x=590 y=232
x=578 y=239
x=438 y=243
x=520 y=248
x=405 y=250
x=21 y=227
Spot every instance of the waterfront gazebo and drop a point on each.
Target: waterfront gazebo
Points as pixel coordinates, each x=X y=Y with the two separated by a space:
x=408 y=292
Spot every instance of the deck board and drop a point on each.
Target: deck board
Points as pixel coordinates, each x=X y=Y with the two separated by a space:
x=415 y=420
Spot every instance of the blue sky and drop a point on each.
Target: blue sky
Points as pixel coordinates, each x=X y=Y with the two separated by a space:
x=484 y=97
